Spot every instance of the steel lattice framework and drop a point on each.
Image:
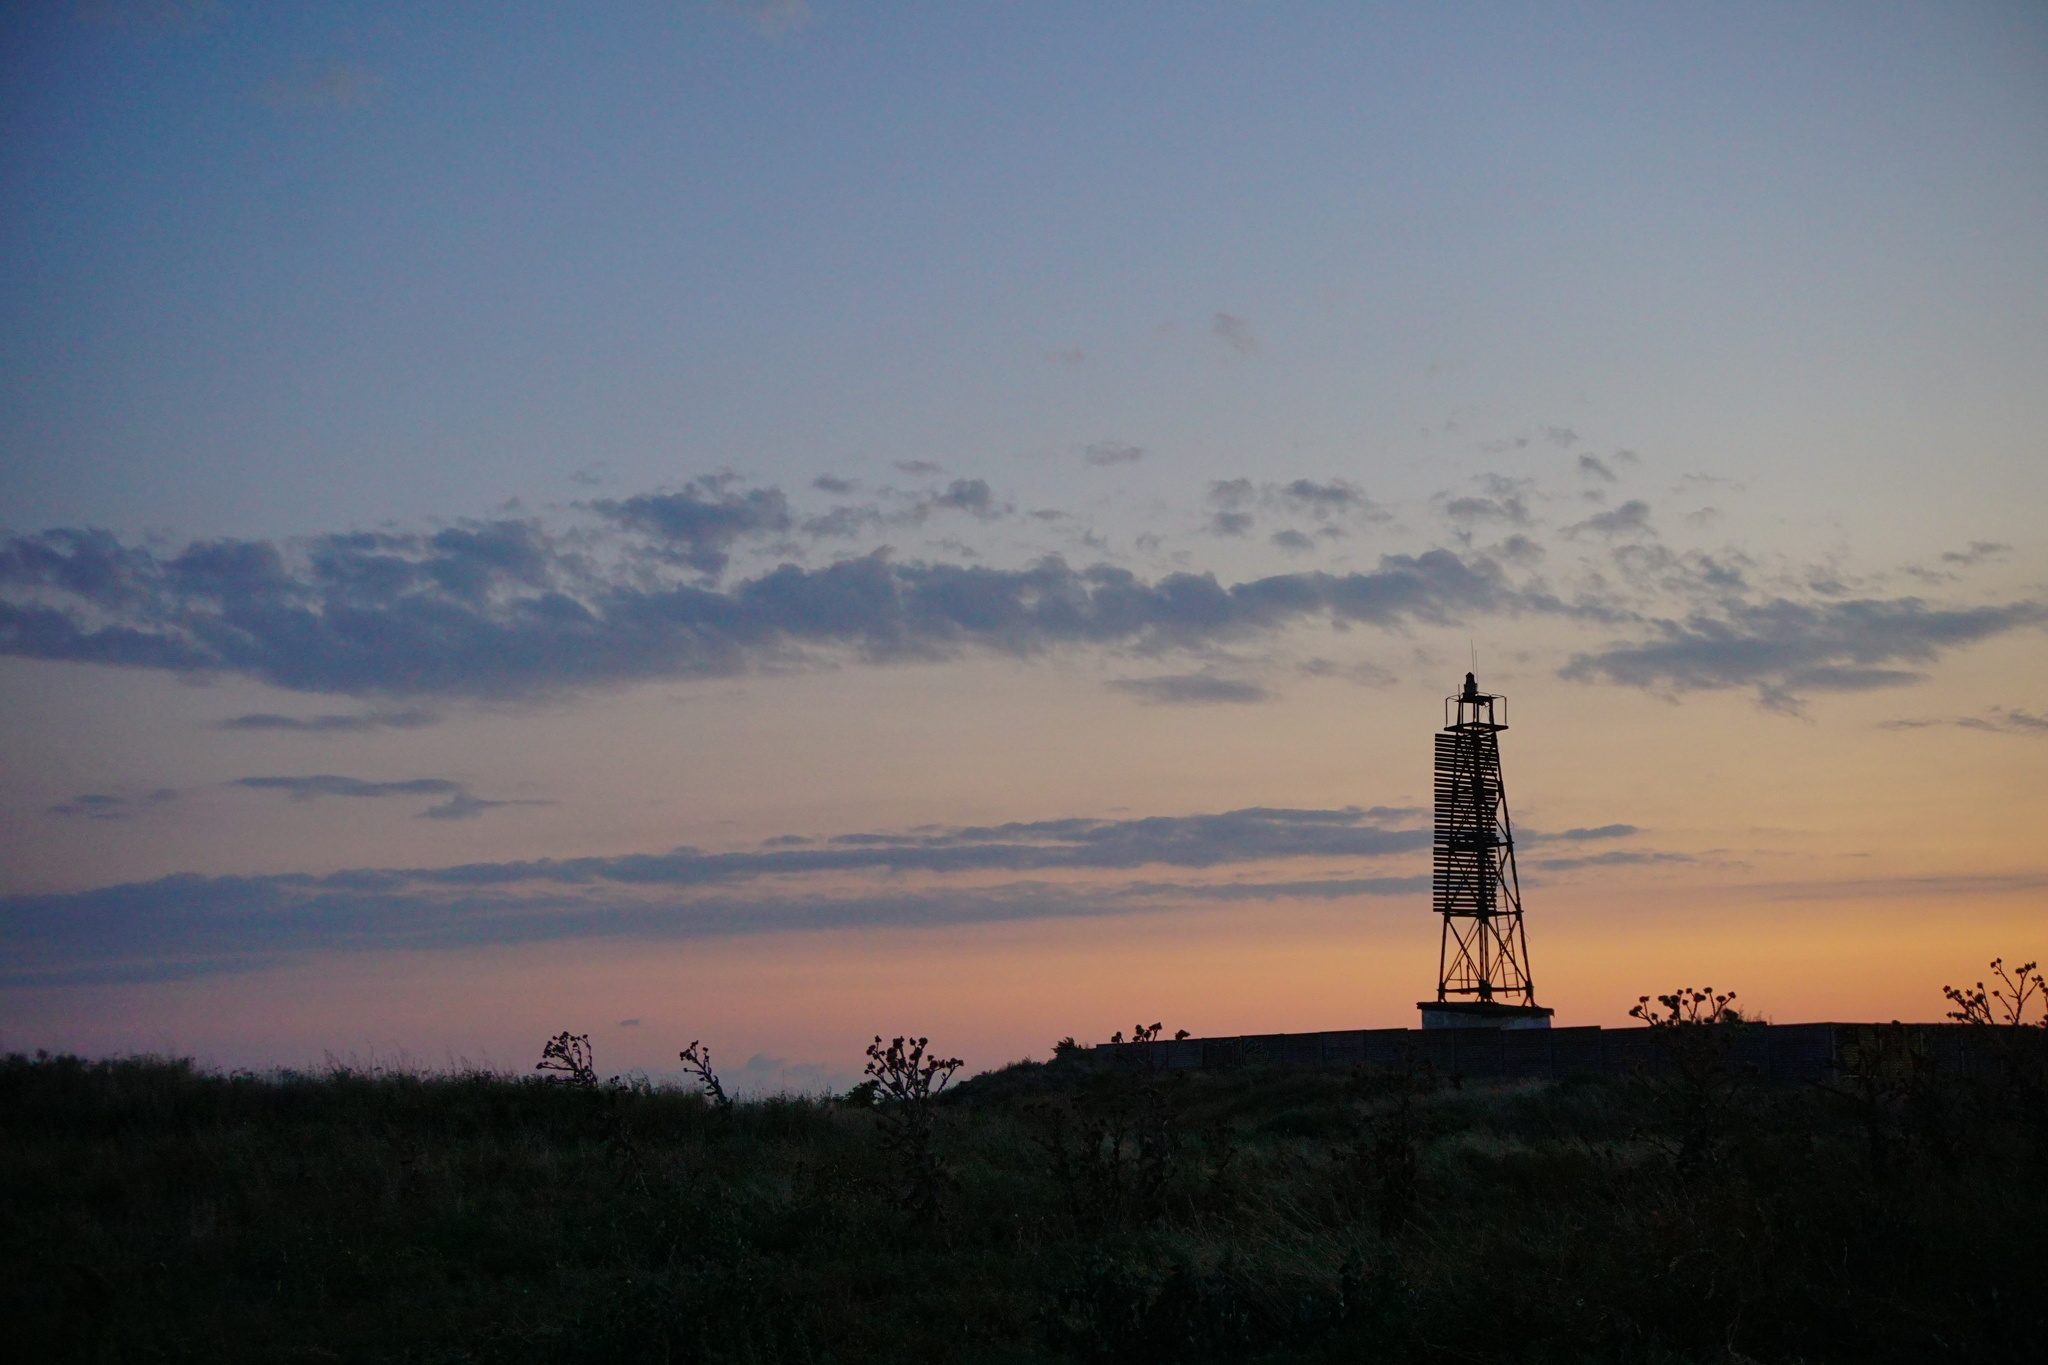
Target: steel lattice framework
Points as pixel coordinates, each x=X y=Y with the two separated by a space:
x=1484 y=956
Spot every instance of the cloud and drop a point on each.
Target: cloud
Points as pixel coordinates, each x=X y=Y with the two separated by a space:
x=336 y=85
x=332 y=724
x=505 y=609
x=1232 y=492
x=1580 y=835
x=1363 y=673
x=1109 y=453
x=1251 y=834
x=628 y=1023
x=1619 y=859
x=463 y=806
x=189 y=925
x=917 y=467
x=1979 y=551
x=1505 y=500
x=1335 y=498
x=107 y=806
x=513 y=608
x=1293 y=541
x=1630 y=519
x=459 y=805
x=327 y=784
x=2001 y=721
x=1230 y=523
x=972 y=496
x=1561 y=437
x=826 y=483
x=1592 y=467
x=1235 y=333
x=1190 y=689
x=1784 y=648
x=1070 y=356
x=845 y=521
x=698 y=526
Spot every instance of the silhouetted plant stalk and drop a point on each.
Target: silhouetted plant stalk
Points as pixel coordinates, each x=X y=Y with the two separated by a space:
x=696 y=1059
x=2007 y=1003
x=907 y=1084
x=1694 y=1034
x=568 y=1055
x=2019 y=1044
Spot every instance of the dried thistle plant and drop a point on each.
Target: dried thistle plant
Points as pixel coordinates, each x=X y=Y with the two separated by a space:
x=696 y=1059
x=907 y=1084
x=568 y=1055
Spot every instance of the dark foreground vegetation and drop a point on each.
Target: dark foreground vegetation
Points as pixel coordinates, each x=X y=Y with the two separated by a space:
x=1084 y=1209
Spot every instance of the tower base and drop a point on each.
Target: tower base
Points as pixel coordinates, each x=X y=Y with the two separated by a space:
x=1482 y=1014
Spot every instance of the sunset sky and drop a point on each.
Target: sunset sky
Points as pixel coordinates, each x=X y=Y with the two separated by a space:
x=778 y=522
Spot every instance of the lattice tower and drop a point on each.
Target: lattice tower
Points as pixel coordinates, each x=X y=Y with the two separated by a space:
x=1484 y=955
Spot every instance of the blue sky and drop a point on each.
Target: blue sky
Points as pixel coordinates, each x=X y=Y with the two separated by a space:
x=629 y=429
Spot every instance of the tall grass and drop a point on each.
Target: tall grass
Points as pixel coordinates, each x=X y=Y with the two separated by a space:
x=157 y=1212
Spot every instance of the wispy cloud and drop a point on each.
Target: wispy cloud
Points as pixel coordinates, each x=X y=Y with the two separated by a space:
x=462 y=806
x=1979 y=551
x=515 y=607
x=189 y=925
x=1783 y=648
x=1190 y=689
x=696 y=527
x=1502 y=500
x=1620 y=858
x=2000 y=721
x=1112 y=452
x=112 y=805
x=1632 y=518
x=503 y=608
x=1234 y=332
x=1579 y=835
x=327 y=784
x=458 y=805
x=331 y=724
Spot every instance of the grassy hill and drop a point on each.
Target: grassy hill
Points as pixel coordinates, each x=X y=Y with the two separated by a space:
x=1083 y=1209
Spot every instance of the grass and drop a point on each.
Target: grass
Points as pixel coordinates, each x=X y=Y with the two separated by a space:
x=1089 y=1212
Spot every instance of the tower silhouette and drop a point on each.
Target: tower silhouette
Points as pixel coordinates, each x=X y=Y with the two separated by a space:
x=1483 y=977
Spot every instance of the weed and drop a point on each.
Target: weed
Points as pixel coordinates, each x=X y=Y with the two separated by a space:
x=696 y=1059
x=568 y=1056
x=2007 y=1003
x=907 y=1082
x=1696 y=1081
x=2019 y=1045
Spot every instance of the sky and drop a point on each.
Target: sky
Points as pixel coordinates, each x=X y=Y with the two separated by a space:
x=776 y=523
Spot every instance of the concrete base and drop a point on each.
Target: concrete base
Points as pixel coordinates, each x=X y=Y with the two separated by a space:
x=1481 y=1014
